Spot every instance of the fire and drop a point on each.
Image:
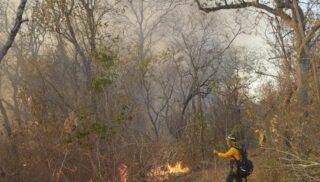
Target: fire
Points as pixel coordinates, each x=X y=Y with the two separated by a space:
x=123 y=172
x=177 y=168
x=161 y=173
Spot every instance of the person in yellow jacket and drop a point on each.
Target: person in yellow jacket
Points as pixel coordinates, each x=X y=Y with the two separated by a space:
x=233 y=154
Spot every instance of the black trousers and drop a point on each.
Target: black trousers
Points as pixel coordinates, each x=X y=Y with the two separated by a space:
x=232 y=177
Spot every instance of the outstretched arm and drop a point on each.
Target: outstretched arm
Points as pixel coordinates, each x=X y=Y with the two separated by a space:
x=229 y=154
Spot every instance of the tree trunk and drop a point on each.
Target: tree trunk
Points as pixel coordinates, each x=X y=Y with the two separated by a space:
x=304 y=66
x=14 y=31
x=5 y=119
x=303 y=56
x=316 y=79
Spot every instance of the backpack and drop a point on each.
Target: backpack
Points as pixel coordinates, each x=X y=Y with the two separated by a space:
x=244 y=165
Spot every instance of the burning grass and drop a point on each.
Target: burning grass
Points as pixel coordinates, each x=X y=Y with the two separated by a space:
x=123 y=171
x=164 y=172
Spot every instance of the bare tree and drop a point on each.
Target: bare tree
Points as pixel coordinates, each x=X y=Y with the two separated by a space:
x=197 y=52
x=8 y=44
x=296 y=17
x=143 y=21
x=156 y=105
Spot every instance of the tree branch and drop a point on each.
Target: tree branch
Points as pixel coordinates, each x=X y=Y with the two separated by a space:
x=14 y=31
x=312 y=32
x=277 y=12
x=266 y=74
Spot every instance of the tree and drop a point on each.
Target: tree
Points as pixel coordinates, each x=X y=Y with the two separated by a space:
x=82 y=24
x=300 y=17
x=142 y=21
x=14 y=31
x=4 y=50
x=158 y=92
x=197 y=49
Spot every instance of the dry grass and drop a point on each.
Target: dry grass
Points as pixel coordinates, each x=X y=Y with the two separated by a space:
x=40 y=156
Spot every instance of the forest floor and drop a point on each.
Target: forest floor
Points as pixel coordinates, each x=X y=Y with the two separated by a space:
x=219 y=173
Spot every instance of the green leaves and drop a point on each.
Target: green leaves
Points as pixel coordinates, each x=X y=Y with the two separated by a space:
x=99 y=83
x=103 y=130
x=105 y=58
x=90 y=132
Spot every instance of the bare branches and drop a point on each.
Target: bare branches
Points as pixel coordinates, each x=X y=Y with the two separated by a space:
x=14 y=31
x=304 y=31
x=266 y=74
x=277 y=12
x=295 y=161
x=312 y=32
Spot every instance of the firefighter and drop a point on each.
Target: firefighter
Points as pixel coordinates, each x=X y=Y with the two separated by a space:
x=233 y=154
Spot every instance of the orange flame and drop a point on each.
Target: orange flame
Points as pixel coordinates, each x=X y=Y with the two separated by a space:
x=177 y=168
x=123 y=172
x=161 y=173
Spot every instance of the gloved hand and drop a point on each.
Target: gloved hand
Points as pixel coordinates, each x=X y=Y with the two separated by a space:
x=215 y=152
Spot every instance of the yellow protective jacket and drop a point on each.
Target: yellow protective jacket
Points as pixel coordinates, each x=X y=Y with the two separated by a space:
x=231 y=154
